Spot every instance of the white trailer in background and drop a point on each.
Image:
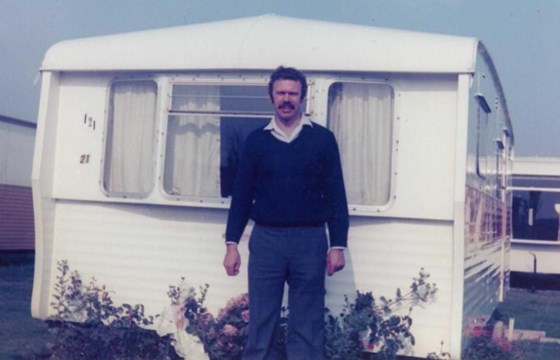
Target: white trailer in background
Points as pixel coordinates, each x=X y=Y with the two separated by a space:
x=137 y=144
x=535 y=216
x=17 y=138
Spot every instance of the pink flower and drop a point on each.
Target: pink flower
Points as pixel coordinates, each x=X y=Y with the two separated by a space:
x=229 y=330
x=477 y=330
x=245 y=315
x=240 y=302
x=503 y=343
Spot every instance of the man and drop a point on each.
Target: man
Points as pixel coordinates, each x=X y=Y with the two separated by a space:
x=290 y=183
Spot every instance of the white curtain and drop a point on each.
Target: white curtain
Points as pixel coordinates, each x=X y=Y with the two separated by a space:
x=360 y=116
x=192 y=160
x=129 y=166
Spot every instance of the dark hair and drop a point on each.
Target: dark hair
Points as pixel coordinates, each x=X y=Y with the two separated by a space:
x=288 y=73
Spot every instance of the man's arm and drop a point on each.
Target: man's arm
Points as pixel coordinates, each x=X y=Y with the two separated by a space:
x=240 y=209
x=338 y=221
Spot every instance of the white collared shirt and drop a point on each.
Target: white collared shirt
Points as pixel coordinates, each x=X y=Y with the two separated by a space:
x=280 y=135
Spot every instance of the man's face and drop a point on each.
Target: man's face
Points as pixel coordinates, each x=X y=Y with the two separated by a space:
x=286 y=98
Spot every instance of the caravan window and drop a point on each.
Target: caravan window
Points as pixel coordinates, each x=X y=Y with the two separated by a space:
x=206 y=127
x=536 y=208
x=130 y=143
x=361 y=117
x=483 y=146
x=488 y=156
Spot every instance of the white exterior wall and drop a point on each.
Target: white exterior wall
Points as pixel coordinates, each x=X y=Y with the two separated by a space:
x=536 y=166
x=421 y=103
x=523 y=253
x=487 y=233
x=16 y=152
x=138 y=251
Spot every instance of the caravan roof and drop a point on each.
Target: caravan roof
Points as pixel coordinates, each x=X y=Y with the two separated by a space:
x=264 y=42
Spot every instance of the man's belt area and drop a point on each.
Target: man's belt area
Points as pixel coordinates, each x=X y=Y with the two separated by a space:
x=293 y=224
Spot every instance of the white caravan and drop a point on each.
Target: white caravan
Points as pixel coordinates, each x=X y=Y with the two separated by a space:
x=535 y=215
x=137 y=143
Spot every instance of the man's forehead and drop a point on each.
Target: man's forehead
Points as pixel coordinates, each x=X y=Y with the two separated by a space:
x=287 y=84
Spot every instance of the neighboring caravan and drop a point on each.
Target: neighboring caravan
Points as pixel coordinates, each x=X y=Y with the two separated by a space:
x=535 y=215
x=17 y=138
x=138 y=139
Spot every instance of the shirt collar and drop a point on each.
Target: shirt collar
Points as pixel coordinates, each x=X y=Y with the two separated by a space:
x=279 y=134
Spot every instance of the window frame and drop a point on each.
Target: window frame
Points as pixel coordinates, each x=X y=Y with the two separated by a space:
x=525 y=189
x=323 y=84
x=201 y=80
x=107 y=139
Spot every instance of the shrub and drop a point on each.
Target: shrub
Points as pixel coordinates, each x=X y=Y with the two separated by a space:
x=364 y=325
x=361 y=326
x=486 y=348
x=88 y=325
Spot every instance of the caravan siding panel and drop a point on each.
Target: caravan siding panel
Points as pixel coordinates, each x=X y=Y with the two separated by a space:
x=540 y=256
x=487 y=234
x=16 y=218
x=141 y=250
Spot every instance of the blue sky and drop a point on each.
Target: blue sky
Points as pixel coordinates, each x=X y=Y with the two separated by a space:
x=523 y=37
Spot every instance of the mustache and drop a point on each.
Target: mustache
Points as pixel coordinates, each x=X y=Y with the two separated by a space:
x=286 y=104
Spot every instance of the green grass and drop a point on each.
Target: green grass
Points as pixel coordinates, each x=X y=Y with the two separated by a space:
x=532 y=350
x=539 y=310
x=21 y=336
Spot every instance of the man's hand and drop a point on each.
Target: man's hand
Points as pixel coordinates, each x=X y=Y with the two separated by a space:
x=232 y=260
x=335 y=261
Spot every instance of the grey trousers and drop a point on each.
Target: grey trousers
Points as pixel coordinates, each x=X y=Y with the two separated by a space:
x=296 y=256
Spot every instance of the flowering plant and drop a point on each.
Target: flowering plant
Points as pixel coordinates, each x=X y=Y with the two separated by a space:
x=88 y=324
x=364 y=325
x=227 y=333
x=174 y=322
x=220 y=337
x=485 y=343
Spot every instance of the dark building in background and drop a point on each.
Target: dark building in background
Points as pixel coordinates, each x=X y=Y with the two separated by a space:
x=17 y=139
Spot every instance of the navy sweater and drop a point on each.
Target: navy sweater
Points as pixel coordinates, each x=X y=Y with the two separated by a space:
x=290 y=184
